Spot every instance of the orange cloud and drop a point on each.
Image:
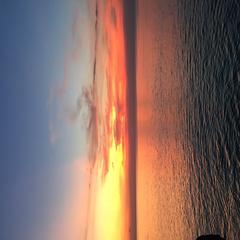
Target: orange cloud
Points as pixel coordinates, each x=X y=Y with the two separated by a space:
x=108 y=149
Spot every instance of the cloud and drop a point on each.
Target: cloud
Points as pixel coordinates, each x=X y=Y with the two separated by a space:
x=113 y=16
x=66 y=111
x=54 y=137
x=70 y=223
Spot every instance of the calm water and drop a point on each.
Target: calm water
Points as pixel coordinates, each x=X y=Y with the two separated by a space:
x=188 y=87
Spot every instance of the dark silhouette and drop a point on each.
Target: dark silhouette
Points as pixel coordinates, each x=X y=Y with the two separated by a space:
x=210 y=237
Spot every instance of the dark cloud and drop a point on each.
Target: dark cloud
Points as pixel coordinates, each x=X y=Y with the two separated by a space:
x=113 y=16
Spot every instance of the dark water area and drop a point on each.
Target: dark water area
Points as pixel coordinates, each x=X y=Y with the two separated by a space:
x=210 y=60
x=188 y=133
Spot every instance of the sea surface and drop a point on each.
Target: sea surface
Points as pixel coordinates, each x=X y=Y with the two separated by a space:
x=188 y=98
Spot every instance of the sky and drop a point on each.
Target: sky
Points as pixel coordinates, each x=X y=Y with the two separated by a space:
x=64 y=136
x=45 y=62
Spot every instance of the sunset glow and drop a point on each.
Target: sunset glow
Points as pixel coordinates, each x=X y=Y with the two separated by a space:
x=110 y=175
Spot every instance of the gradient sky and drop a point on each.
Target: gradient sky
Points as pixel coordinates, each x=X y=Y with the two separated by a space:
x=46 y=59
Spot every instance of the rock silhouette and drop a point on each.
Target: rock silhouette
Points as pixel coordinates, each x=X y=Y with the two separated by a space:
x=210 y=237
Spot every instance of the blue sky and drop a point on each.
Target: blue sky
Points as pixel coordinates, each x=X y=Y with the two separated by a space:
x=36 y=38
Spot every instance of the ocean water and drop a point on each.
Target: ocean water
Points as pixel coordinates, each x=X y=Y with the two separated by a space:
x=210 y=35
x=188 y=98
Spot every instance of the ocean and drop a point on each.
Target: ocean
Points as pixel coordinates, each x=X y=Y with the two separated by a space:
x=188 y=103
